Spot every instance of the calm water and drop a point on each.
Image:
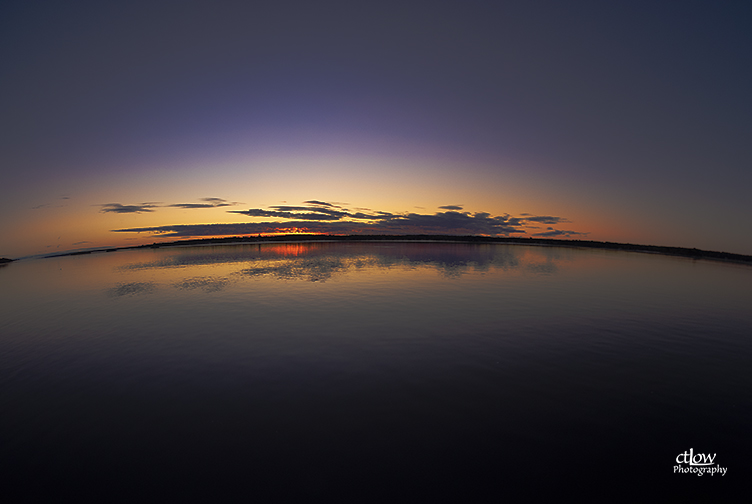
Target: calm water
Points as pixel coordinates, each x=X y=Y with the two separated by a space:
x=373 y=372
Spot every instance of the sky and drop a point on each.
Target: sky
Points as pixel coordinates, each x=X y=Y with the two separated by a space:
x=123 y=123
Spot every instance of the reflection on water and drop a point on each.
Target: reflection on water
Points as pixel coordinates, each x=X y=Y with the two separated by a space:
x=318 y=261
x=373 y=372
x=208 y=284
x=125 y=289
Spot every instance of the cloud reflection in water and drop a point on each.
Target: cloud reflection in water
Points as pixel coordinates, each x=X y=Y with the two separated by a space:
x=321 y=261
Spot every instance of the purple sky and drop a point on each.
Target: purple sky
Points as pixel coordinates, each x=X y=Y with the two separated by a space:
x=627 y=121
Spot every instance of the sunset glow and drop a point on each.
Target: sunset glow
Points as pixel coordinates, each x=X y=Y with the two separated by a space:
x=134 y=123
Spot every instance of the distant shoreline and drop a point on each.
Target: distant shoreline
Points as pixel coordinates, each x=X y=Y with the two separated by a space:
x=691 y=253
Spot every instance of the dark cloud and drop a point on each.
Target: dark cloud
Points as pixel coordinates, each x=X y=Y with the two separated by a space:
x=149 y=206
x=553 y=233
x=185 y=230
x=195 y=205
x=290 y=208
x=321 y=217
x=451 y=207
x=312 y=213
x=314 y=216
x=321 y=203
x=450 y=222
x=209 y=203
x=326 y=211
x=50 y=205
x=546 y=219
x=118 y=208
x=440 y=223
x=216 y=201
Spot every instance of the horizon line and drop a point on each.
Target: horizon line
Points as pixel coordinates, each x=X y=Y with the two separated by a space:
x=692 y=253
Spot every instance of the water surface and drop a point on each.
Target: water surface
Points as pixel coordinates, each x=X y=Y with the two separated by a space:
x=374 y=372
